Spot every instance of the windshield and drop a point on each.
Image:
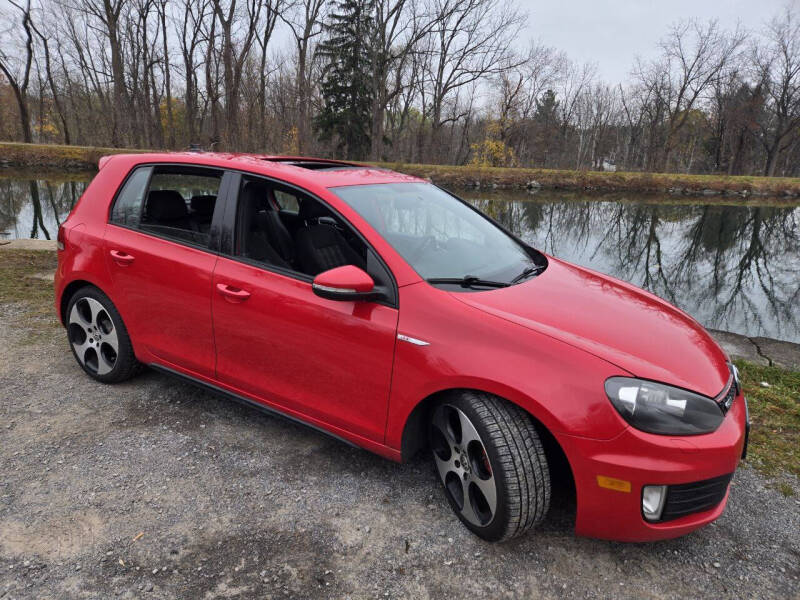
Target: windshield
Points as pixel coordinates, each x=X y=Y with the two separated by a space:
x=438 y=235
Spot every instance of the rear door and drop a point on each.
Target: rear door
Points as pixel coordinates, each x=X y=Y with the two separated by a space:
x=280 y=343
x=160 y=251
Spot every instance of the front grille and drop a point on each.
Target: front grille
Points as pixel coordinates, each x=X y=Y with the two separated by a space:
x=699 y=496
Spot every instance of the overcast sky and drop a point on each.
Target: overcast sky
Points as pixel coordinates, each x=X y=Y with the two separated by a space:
x=612 y=32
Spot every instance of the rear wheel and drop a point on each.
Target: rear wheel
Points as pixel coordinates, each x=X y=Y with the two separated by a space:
x=492 y=464
x=98 y=337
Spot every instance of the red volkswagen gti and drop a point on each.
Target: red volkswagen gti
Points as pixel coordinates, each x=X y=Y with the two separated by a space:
x=388 y=313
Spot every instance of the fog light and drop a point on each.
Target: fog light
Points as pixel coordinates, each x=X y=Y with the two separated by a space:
x=653 y=497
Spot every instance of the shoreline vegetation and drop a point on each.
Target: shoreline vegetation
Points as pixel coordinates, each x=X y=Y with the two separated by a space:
x=84 y=158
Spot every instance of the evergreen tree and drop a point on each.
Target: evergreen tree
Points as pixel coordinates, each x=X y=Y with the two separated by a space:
x=346 y=80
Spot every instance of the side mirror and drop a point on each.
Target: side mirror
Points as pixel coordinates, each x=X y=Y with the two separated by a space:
x=344 y=283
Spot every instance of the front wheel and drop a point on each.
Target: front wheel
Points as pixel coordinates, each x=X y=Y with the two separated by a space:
x=98 y=337
x=492 y=464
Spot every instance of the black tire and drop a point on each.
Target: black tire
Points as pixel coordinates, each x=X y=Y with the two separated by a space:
x=516 y=464
x=90 y=334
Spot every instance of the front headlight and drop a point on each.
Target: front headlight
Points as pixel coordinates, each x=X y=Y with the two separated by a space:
x=663 y=409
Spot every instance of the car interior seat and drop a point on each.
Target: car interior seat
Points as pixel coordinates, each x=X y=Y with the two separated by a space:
x=254 y=241
x=203 y=211
x=277 y=233
x=167 y=208
x=319 y=245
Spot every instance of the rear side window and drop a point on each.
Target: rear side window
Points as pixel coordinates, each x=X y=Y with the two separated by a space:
x=175 y=202
x=180 y=203
x=127 y=209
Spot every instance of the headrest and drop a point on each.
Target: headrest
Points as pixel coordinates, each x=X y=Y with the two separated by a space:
x=166 y=205
x=311 y=209
x=203 y=205
x=254 y=195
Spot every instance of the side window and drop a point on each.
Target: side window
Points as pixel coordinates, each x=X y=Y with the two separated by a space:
x=180 y=203
x=127 y=209
x=311 y=240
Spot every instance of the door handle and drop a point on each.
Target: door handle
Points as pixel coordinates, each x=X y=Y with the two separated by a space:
x=232 y=294
x=121 y=258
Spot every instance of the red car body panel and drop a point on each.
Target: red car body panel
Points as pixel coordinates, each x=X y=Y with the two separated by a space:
x=645 y=459
x=176 y=327
x=620 y=322
x=306 y=350
x=547 y=345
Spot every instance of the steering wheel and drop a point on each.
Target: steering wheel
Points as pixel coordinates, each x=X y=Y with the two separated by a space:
x=427 y=240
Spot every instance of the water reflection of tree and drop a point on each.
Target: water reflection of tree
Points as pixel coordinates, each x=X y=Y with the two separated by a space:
x=721 y=258
x=10 y=205
x=49 y=201
x=38 y=219
x=733 y=266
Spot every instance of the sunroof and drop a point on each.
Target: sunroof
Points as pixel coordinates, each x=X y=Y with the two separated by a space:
x=317 y=165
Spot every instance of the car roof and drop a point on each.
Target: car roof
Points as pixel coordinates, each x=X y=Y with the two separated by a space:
x=299 y=170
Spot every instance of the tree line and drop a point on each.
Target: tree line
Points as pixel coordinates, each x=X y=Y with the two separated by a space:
x=427 y=81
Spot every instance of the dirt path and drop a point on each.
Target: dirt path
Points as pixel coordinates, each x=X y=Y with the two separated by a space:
x=154 y=489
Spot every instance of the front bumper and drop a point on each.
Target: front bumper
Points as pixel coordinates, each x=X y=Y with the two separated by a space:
x=646 y=459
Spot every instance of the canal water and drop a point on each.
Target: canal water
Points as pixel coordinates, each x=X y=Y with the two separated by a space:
x=733 y=266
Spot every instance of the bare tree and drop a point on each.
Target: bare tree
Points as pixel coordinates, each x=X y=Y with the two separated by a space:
x=777 y=67
x=470 y=40
x=693 y=55
x=19 y=76
x=234 y=50
x=399 y=26
x=189 y=27
x=57 y=102
x=305 y=24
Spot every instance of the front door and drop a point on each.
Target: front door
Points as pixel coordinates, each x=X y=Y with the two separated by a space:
x=278 y=342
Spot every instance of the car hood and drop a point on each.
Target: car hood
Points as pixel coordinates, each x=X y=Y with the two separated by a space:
x=625 y=325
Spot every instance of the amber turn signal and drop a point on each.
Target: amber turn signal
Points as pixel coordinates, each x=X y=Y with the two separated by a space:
x=618 y=485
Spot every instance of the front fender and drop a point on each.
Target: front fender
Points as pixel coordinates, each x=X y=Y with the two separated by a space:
x=560 y=385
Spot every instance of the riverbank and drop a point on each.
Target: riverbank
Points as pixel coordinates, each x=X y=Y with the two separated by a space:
x=52 y=156
x=675 y=184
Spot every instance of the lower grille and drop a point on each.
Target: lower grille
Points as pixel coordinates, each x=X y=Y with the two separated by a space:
x=688 y=498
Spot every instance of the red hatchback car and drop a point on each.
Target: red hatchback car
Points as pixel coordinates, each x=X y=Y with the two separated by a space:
x=385 y=311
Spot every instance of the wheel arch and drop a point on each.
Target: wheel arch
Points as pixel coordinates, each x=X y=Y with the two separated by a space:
x=78 y=283
x=67 y=293
x=414 y=437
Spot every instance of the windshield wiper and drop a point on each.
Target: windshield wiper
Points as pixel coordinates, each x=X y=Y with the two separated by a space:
x=527 y=272
x=468 y=281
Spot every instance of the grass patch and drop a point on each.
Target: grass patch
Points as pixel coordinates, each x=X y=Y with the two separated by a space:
x=775 y=416
x=16 y=270
x=56 y=156
x=34 y=296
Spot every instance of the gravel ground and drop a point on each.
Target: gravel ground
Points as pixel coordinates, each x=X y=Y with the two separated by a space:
x=153 y=489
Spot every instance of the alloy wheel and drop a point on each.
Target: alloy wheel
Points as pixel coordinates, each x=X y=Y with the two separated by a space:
x=463 y=465
x=93 y=336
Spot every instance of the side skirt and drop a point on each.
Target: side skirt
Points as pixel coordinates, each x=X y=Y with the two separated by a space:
x=210 y=387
